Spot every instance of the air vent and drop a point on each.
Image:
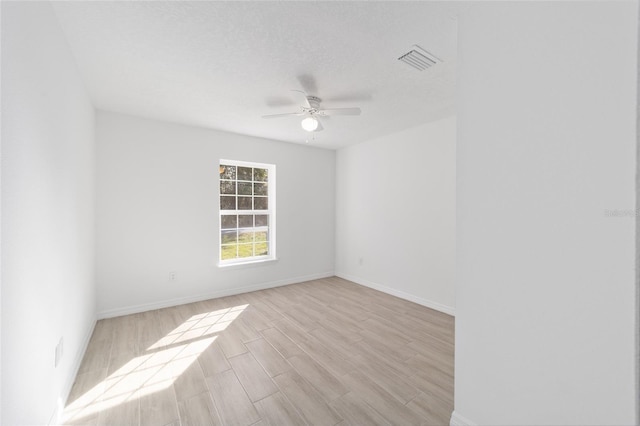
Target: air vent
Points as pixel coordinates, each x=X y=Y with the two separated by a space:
x=419 y=58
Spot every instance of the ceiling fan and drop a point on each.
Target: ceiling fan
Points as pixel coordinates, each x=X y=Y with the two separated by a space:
x=312 y=112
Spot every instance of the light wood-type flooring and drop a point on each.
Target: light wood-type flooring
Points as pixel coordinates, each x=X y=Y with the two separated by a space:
x=323 y=352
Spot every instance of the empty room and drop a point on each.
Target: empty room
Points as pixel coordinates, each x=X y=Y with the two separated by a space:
x=319 y=213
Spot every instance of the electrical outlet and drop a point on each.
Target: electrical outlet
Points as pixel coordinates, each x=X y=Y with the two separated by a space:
x=360 y=261
x=59 y=352
x=173 y=275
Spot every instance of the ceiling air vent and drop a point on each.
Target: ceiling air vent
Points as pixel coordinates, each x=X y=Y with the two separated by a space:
x=419 y=58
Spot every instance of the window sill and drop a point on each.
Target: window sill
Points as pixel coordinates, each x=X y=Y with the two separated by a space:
x=249 y=264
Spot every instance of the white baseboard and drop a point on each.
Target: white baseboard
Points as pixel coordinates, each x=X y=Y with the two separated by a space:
x=56 y=417
x=134 y=309
x=459 y=420
x=401 y=294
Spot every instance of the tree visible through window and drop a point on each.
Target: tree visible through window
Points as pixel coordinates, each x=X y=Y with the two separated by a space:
x=247 y=211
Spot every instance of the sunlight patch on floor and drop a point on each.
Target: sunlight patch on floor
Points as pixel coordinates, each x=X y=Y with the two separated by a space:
x=158 y=368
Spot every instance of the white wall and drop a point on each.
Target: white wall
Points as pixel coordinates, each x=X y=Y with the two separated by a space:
x=157 y=212
x=395 y=209
x=545 y=281
x=48 y=287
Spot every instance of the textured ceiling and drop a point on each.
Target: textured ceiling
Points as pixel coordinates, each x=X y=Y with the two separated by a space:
x=223 y=65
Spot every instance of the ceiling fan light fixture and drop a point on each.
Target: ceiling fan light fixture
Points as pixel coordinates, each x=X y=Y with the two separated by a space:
x=309 y=124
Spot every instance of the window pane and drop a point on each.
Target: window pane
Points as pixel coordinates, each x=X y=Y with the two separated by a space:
x=262 y=249
x=227 y=172
x=244 y=173
x=260 y=175
x=229 y=252
x=262 y=220
x=245 y=236
x=227 y=187
x=244 y=188
x=244 y=203
x=261 y=203
x=260 y=188
x=229 y=237
x=227 y=203
x=229 y=221
x=245 y=250
x=261 y=236
x=245 y=221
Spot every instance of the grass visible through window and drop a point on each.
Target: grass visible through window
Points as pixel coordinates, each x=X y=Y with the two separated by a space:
x=248 y=244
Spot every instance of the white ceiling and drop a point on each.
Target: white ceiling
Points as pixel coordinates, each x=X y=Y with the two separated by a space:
x=223 y=65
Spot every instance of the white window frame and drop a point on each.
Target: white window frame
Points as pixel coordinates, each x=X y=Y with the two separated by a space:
x=270 y=211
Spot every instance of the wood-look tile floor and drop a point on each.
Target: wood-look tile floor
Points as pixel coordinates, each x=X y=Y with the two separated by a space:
x=324 y=352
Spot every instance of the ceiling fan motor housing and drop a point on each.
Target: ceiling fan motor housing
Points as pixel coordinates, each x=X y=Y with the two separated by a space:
x=314 y=103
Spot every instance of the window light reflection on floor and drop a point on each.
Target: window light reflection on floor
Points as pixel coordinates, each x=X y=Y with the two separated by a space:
x=158 y=368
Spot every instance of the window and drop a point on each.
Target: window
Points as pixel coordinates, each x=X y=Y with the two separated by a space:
x=247 y=212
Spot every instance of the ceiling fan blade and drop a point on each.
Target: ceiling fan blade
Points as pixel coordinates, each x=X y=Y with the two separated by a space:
x=282 y=115
x=340 y=111
x=303 y=98
x=308 y=83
